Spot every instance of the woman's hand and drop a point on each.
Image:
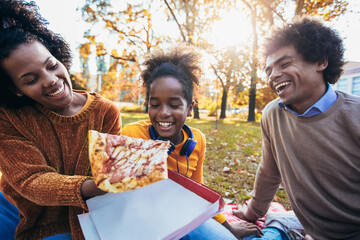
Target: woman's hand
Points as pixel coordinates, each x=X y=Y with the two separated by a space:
x=89 y=189
x=243 y=229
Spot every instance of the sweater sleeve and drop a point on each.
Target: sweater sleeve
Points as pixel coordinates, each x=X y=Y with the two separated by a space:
x=24 y=167
x=267 y=179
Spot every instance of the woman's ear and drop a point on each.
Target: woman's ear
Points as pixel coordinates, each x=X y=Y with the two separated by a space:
x=322 y=65
x=190 y=109
x=16 y=91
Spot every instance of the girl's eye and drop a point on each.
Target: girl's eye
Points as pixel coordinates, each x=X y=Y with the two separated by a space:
x=174 y=106
x=154 y=105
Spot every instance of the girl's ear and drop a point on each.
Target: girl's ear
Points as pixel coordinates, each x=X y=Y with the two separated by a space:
x=190 y=109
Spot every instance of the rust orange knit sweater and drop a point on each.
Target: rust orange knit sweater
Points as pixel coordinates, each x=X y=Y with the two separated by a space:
x=44 y=160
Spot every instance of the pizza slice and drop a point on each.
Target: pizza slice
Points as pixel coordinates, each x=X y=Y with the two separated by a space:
x=121 y=163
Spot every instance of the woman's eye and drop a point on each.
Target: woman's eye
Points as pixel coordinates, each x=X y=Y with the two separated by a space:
x=54 y=66
x=30 y=82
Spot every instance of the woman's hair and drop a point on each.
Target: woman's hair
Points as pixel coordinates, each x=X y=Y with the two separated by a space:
x=181 y=62
x=21 y=23
x=314 y=42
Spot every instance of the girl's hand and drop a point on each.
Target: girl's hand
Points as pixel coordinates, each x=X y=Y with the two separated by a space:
x=243 y=229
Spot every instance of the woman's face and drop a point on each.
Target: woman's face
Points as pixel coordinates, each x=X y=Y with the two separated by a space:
x=37 y=74
x=168 y=108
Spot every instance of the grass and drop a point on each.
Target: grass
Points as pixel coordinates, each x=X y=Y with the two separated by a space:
x=234 y=144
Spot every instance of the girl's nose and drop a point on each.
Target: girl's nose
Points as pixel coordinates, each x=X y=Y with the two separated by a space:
x=164 y=110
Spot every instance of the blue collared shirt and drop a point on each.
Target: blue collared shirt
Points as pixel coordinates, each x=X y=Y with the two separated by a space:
x=319 y=107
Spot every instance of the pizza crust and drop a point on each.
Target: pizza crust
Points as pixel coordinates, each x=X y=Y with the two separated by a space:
x=120 y=163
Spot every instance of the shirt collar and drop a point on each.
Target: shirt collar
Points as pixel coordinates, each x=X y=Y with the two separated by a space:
x=323 y=104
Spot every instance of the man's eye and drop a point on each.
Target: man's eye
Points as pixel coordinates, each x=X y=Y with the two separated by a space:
x=286 y=64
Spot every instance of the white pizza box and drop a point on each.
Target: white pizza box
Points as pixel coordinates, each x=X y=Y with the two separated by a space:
x=168 y=209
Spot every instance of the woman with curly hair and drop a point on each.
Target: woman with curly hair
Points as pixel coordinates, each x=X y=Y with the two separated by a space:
x=169 y=79
x=44 y=123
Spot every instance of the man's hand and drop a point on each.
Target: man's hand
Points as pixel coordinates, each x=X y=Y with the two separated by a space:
x=244 y=212
x=243 y=229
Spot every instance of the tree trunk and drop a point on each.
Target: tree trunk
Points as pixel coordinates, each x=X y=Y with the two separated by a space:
x=196 y=110
x=223 y=103
x=252 y=91
x=252 y=97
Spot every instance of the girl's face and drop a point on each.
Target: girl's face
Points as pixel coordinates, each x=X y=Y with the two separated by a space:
x=40 y=76
x=168 y=108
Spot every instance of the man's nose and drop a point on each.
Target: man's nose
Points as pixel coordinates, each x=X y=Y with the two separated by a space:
x=275 y=73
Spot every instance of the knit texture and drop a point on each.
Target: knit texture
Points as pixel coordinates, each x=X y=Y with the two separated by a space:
x=318 y=159
x=44 y=160
x=140 y=129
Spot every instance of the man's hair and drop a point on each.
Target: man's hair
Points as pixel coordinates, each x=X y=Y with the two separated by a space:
x=313 y=41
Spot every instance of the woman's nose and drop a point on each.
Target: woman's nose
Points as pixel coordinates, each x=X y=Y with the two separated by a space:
x=50 y=81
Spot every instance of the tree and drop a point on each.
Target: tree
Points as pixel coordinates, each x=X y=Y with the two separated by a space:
x=198 y=15
x=327 y=10
x=263 y=13
x=130 y=33
x=228 y=70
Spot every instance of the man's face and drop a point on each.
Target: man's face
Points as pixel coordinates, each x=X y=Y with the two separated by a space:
x=298 y=83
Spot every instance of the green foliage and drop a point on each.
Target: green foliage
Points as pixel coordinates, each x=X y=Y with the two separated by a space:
x=212 y=108
x=133 y=117
x=132 y=109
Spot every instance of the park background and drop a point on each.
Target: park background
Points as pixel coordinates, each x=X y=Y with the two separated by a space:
x=110 y=38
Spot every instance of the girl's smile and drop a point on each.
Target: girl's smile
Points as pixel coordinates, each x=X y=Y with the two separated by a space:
x=168 y=108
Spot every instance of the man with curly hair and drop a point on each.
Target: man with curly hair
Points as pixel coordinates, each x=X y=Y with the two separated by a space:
x=311 y=134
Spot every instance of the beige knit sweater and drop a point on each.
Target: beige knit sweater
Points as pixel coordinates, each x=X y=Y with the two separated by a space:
x=44 y=160
x=318 y=160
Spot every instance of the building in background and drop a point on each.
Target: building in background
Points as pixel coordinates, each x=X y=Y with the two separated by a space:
x=349 y=81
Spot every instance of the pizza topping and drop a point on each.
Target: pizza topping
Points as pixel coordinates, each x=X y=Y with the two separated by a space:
x=123 y=163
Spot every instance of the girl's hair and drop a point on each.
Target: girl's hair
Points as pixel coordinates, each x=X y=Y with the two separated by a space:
x=314 y=41
x=181 y=62
x=21 y=23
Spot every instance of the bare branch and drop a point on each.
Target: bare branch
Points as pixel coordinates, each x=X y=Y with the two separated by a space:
x=172 y=13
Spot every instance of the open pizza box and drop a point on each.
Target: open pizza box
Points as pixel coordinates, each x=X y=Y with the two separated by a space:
x=168 y=209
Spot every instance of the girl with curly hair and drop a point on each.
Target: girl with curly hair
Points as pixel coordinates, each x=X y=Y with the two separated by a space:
x=169 y=79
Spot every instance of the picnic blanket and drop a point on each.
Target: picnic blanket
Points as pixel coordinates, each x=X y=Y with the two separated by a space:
x=231 y=218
